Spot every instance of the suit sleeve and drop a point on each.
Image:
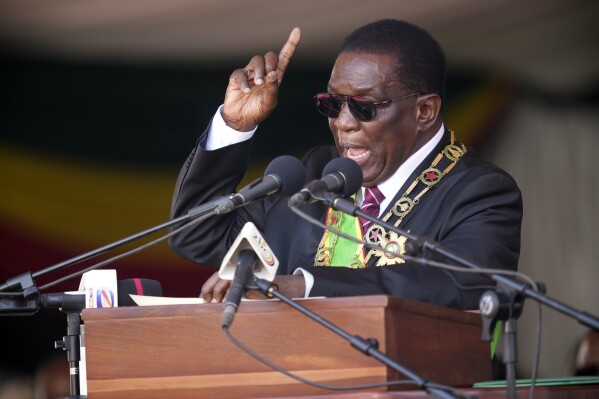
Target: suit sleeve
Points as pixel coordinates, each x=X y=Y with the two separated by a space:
x=207 y=175
x=480 y=220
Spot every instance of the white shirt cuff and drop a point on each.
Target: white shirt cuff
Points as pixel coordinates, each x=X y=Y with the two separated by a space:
x=220 y=135
x=308 y=279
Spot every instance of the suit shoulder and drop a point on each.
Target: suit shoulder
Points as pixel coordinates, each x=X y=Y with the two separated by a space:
x=473 y=164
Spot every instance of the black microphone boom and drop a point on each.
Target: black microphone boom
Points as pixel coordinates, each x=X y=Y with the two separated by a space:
x=417 y=244
x=342 y=176
x=63 y=301
x=243 y=276
x=288 y=171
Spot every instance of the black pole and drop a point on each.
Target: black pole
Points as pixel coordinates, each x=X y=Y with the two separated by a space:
x=418 y=244
x=25 y=281
x=368 y=346
x=71 y=305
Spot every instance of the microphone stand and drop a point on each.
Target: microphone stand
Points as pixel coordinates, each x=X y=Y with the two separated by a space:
x=27 y=300
x=26 y=284
x=71 y=305
x=503 y=304
x=368 y=346
x=513 y=292
x=418 y=244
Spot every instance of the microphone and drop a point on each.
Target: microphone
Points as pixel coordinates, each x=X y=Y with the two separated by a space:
x=341 y=175
x=136 y=286
x=77 y=300
x=63 y=300
x=246 y=263
x=284 y=175
x=249 y=256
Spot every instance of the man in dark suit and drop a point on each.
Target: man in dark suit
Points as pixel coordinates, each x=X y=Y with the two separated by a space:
x=384 y=106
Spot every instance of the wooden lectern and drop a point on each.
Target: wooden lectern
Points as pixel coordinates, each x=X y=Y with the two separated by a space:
x=180 y=351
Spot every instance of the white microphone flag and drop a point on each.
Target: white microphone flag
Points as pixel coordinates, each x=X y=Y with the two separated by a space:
x=250 y=238
x=100 y=289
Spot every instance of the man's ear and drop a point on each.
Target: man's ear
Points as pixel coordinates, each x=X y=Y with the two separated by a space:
x=428 y=109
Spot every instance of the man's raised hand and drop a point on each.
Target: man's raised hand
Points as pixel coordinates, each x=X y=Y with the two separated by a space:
x=252 y=91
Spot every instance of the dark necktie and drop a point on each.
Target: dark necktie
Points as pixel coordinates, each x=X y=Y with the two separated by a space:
x=371 y=205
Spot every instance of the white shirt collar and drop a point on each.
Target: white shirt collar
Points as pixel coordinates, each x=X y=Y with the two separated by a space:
x=390 y=186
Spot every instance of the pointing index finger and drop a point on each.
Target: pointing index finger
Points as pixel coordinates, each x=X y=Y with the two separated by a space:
x=287 y=52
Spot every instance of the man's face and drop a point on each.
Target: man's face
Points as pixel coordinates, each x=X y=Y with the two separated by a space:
x=379 y=146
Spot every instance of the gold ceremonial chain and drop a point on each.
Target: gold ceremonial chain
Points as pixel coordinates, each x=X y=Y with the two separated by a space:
x=377 y=235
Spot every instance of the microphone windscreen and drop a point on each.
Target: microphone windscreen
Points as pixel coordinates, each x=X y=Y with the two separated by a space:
x=291 y=172
x=350 y=170
x=136 y=286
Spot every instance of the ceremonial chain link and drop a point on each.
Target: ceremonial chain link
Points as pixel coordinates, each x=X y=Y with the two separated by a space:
x=430 y=177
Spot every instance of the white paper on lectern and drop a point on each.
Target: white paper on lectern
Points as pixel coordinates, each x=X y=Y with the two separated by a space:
x=250 y=238
x=145 y=300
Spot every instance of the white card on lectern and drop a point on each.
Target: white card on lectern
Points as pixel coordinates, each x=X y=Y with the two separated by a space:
x=250 y=238
x=100 y=288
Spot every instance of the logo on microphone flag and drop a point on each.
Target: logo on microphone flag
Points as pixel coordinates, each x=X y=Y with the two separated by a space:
x=100 y=288
x=104 y=298
x=250 y=238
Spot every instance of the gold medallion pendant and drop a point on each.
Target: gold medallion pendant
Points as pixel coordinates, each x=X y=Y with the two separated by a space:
x=393 y=245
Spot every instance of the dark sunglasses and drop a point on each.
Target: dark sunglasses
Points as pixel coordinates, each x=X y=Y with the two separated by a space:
x=362 y=108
